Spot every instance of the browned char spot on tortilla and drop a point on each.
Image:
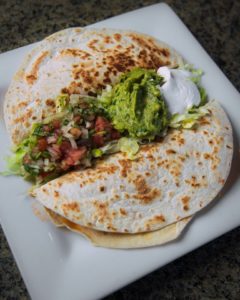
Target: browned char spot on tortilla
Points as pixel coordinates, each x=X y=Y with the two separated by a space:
x=185 y=201
x=193 y=182
x=102 y=213
x=56 y=194
x=121 y=61
x=111 y=227
x=141 y=185
x=50 y=102
x=123 y=211
x=102 y=188
x=126 y=165
x=117 y=37
x=75 y=52
x=32 y=76
x=24 y=117
x=158 y=219
x=70 y=207
x=144 y=192
x=204 y=121
x=153 y=55
x=170 y=151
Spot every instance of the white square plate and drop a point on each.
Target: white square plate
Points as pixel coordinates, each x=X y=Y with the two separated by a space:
x=56 y=264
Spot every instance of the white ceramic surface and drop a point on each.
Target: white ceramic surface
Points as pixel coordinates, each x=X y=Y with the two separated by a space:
x=57 y=264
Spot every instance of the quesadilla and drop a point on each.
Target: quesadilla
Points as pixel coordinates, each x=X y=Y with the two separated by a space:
x=123 y=125
x=168 y=181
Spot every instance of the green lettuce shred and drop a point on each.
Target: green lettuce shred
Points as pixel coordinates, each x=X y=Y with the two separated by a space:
x=62 y=102
x=196 y=78
x=124 y=144
x=189 y=119
x=15 y=164
x=97 y=153
x=129 y=146
x=110 y=148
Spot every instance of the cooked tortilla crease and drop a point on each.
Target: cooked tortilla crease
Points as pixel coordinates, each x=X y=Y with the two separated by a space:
x=168 y=181
x=123 y=240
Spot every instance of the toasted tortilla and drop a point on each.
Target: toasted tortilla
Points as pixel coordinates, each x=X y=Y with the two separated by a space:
x=76 y=61
x=123 y=240
x=167 y=182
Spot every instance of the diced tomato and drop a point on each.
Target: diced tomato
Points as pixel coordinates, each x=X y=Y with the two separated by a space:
x=52 y=139
x=77 y=154
x=102 y=124
x=67 y=163
x=98 y=140
x=44 y=174
x=42 y=144
x=56 y=124
x=65 y=146
x=115 y=134
x=73 y=156
x=55 y=151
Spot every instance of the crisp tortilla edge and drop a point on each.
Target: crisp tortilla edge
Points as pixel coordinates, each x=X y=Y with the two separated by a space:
x=123 y=240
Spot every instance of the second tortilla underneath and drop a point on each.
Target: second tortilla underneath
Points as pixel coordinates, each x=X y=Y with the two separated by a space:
x=123 y=240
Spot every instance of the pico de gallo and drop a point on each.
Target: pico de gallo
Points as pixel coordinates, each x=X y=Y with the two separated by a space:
x=135 y=110
x=66 y=141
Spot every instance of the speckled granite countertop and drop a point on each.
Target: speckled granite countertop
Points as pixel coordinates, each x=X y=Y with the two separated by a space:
x=212 y=271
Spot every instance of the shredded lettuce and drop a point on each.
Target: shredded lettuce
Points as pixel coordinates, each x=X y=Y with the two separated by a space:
x=129 y=146
x=203 y=95
x=14 y=162
x=56 y=116
x=124 y=144
x=196 y=73
x=105 y=98
x=38 y=130
x=189 y=119
x=111 y=147
x=97 y=153
x=196 y=78
x=62 y=102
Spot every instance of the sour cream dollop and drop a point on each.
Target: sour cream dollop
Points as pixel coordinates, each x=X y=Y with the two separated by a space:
x=178 y=90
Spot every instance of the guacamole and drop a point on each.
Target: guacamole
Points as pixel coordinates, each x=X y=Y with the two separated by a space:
x=135 y=105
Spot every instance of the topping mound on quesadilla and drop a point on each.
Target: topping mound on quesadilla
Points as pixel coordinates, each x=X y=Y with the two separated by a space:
x=77 y=61
x=87 y=127
x=125 y=127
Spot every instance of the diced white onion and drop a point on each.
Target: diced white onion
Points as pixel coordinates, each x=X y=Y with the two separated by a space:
x=84 y=133
x=46 y=161
x=51 y=139
x=88 y=124
x=73 y=143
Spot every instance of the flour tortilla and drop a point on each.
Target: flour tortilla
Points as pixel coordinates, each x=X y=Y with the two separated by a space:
x=123 y=240
x=169 y=181
x=76 y=61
